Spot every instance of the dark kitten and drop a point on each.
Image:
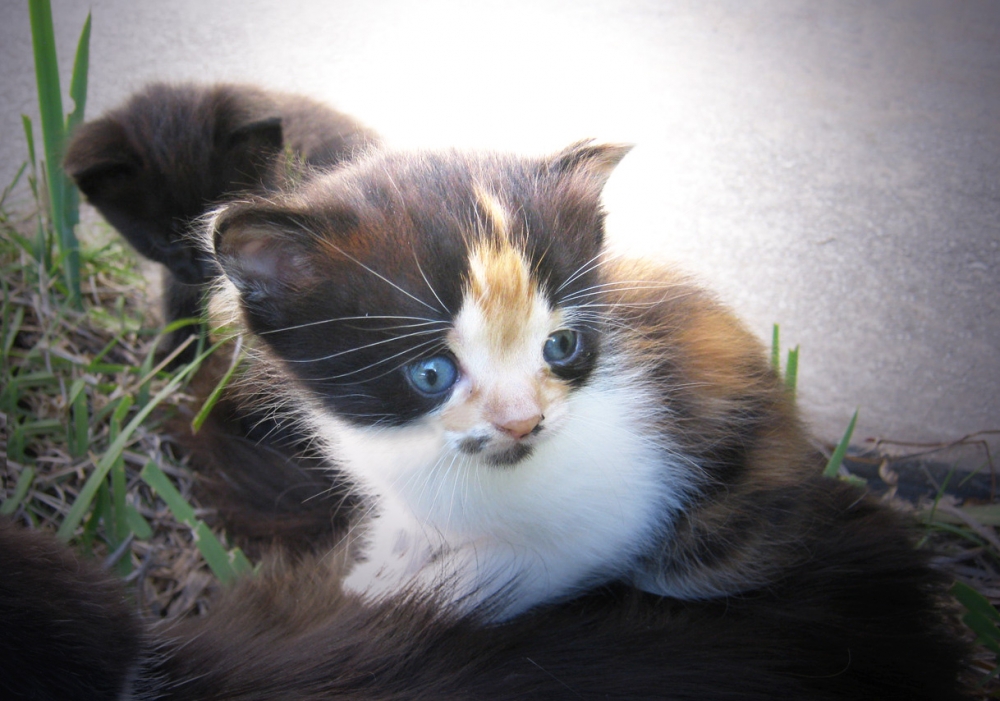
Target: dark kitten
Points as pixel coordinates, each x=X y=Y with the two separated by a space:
x=152 y=167
x=161 y=160
x=860 y=620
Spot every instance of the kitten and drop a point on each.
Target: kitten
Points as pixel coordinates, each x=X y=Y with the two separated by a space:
x=161 y=160
x=357 y=285
x=152 y=167
x=526 y=417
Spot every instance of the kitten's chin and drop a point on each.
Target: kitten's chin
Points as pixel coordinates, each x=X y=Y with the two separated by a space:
x=508 y=457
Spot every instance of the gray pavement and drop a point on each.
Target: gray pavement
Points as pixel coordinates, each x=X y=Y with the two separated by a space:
x=831 y=166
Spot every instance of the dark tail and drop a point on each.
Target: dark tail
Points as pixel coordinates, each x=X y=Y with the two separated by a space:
x=865 y=618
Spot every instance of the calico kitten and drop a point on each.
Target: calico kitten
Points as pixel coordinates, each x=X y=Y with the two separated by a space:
x=161 y=160
x=415 y=306
x=526 y=417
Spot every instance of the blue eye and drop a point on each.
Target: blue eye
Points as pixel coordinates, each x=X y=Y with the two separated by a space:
x=561 y=347
x=432 y=376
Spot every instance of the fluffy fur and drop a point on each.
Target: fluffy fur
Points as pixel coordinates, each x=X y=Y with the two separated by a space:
x=860 y=619
x=152 y=167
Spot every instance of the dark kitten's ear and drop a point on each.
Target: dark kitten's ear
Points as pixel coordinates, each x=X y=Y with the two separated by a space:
x=101 y=160
x=264 y=134
x=595 y=161
x=248 y=139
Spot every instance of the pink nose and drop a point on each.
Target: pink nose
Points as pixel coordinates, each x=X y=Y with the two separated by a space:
x=519 y=428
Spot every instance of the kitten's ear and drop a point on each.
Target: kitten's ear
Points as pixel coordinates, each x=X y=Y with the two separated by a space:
x=247 y=146
x=101 y=161
x=595 y=161
x=276 y=257
x=263 y=134
x=263 y=251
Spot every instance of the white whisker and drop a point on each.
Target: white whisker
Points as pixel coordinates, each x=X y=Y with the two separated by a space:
x=583 y=270
x=364 y=347
x=376 y=274
x=411 y=349
x=355 y=318
x=430 y=287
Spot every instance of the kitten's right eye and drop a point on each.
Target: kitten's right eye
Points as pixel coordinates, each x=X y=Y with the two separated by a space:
x=432 y=376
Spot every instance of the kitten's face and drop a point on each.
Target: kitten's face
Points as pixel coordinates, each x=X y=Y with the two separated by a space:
x=504 y=350
x=446 y=291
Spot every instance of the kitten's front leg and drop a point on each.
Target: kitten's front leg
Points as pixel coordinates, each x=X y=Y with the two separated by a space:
x=396 y=550
x=403 y=556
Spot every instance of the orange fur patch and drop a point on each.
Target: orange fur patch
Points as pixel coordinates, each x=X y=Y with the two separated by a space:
x=500 y=281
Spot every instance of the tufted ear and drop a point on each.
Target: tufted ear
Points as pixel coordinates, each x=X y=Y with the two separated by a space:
x=591 y=160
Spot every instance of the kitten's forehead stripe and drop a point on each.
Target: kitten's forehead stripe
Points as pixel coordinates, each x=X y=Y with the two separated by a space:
x=493 y=209
x=500 y=285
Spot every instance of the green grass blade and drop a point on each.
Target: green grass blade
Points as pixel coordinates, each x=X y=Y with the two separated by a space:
x=79 y=438
x=15 y=443
x=137 y=524
x=985 y=629
x=122 y=409
x=10 y=332
x=119 y=526
x=239 y=562
x=23 y=483
x=90 y=528
x=32 y=248
x=792 y=370
x=13 y=183
x=40 y=250
x=776 y=349
x=41 y=427
x=96 y=478
x=96 y=360
x=974 y=601
x=78 y=93
x=153 y=476
x=78 y=83
x=838 y=454
x=222 y=564
x=29 y=139
x=199 y=419
x=54 y=138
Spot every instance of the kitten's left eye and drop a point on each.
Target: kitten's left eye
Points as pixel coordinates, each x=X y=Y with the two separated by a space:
x=561 y=347
x=432 y=376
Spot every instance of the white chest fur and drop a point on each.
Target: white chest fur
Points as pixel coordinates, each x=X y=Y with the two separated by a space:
x=579 y=509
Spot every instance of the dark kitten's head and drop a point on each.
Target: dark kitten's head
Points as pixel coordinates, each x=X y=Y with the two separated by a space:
x=406 y=283
x=171 y=152
x=156 y=163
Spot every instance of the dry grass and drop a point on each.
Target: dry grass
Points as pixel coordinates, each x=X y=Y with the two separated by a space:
x=49 y=350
